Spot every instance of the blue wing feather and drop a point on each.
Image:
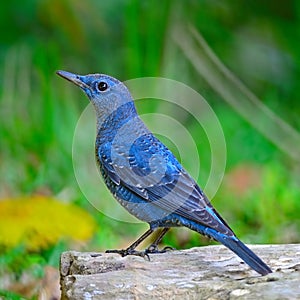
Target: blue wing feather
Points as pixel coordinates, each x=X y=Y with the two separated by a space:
x=165 y=184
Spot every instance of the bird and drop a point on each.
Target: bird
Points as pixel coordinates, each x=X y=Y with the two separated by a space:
x=145 y=177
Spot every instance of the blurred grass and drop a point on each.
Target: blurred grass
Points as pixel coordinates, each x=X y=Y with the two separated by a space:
x=127 y=39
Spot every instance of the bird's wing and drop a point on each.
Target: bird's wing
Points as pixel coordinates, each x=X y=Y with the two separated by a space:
x=153 y=173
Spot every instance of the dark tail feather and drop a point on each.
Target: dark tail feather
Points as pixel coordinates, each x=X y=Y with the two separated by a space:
x=234 y=244
x=244 y=253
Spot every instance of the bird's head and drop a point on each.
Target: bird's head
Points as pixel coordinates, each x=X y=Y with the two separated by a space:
x=105 y=92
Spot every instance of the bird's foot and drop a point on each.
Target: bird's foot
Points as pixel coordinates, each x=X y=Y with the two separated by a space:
x=153 y=248
x=130 y=251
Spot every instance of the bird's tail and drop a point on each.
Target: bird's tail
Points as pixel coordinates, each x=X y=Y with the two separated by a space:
x=236 y=246
x=241 y=250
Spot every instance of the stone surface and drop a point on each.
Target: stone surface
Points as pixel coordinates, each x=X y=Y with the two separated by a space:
x=211 y=272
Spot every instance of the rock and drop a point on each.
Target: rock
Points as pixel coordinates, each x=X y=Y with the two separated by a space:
x=211 y=272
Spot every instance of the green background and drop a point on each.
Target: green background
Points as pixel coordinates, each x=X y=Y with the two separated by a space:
x=257 y=40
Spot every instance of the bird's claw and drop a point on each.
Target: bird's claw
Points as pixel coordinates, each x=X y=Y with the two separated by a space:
x=129 y=251
x=168 y=248
x=153 y=248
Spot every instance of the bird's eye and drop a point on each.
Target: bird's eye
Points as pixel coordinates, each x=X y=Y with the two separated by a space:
x=102 y=86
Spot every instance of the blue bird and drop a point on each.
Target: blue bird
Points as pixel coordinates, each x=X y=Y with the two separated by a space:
x=145 y=177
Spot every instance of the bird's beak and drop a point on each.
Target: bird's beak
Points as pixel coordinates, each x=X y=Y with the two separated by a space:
x=76 y=79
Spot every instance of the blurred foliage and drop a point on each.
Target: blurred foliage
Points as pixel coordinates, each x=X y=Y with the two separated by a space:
x=10 y=295
x=266 y=195
x=39 y=222
x=257 y=40
x=16 y=260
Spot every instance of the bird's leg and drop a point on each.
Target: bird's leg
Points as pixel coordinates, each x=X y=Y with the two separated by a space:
x=131 y=249
x=153 y=248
